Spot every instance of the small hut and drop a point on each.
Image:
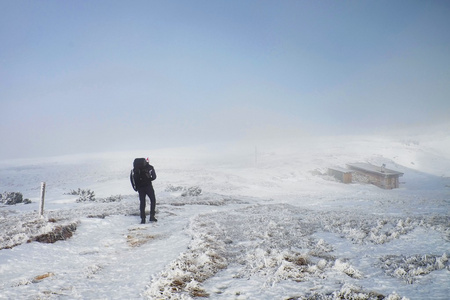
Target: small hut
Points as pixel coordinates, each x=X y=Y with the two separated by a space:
x=341 y=174
x=379 y=176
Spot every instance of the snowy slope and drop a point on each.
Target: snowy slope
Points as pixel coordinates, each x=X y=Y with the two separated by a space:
x=269 y=224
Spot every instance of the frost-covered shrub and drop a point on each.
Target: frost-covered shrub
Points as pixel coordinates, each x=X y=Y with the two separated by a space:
x=89 y=196
x=371 y=229
x=186 y=191
x=353 y=292
x=348 y=269
x=74 y=192
x=192 y=191
x=115 y=198
x=409 y=268
x=395 y=296
x=278 y=265
x=11 y=198
x=58 y=233
x=93 y=270
x=171 y=188
x=84 y=195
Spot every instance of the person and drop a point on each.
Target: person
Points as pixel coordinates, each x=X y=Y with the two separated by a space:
x=141 y=178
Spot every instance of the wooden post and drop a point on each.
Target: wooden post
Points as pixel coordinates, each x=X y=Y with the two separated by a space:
x=41 y=205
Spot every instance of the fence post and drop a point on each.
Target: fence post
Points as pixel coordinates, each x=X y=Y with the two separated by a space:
x=41 y=205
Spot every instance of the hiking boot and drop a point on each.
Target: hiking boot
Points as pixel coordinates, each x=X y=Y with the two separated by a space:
x=153 y=219
x=143 y=221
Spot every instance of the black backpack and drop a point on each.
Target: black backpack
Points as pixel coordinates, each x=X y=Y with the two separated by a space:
x=139 y=163
x=140 y=175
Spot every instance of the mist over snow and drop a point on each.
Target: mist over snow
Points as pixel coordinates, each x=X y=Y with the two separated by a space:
x=88 y=77
x=235 y=221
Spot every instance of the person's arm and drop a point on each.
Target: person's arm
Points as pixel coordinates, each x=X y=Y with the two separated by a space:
x=133 y=184
x=152 y=173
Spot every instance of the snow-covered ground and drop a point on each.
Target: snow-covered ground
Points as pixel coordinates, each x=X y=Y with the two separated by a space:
x=269 y=224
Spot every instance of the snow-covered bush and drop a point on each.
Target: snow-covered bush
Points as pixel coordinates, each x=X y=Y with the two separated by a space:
x=89 y=196
x=114 y=198
x=370 y=229
x=171 y=188
x=11 y=198
x=353 y=292
x=58 y=233
x=84 y=195
x=348 y=269
x=410 y=268
x=192 y=191
x=186 y=191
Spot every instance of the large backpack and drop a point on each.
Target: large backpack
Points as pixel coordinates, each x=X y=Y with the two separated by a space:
x=139 y=163
x=140 y=175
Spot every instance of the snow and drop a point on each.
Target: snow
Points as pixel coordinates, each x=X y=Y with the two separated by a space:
x=267 y=225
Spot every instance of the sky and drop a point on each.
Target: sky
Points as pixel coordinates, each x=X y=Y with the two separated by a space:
x=93 y=76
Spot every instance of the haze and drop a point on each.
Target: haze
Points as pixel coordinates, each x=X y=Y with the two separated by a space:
x=93 y=76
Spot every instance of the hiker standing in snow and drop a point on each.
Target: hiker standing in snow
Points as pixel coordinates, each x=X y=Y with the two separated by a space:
x=141 y=178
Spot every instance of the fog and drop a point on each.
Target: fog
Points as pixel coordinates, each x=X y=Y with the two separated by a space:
x=84 y=76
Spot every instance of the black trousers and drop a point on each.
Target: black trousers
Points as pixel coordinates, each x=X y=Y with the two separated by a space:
x=143 y=192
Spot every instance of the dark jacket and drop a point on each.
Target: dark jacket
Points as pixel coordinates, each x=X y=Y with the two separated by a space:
x=142 y=177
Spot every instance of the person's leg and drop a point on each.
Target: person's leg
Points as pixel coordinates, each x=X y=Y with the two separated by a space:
x=142 y=194
x=151 y=195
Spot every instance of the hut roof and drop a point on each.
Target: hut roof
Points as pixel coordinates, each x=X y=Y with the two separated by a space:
x=374 y=169
x=343 y=170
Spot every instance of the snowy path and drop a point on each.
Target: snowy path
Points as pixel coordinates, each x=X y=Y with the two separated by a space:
x=231 y=250
x=113 y=256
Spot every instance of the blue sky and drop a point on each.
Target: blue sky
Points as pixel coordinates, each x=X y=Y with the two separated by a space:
x=88 y=76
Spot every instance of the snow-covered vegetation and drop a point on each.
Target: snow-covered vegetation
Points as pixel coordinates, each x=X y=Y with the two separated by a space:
x=232 y=224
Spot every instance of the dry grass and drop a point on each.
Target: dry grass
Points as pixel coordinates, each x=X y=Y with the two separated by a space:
x=137 y=237
x=39 y=278
x=58 y=233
